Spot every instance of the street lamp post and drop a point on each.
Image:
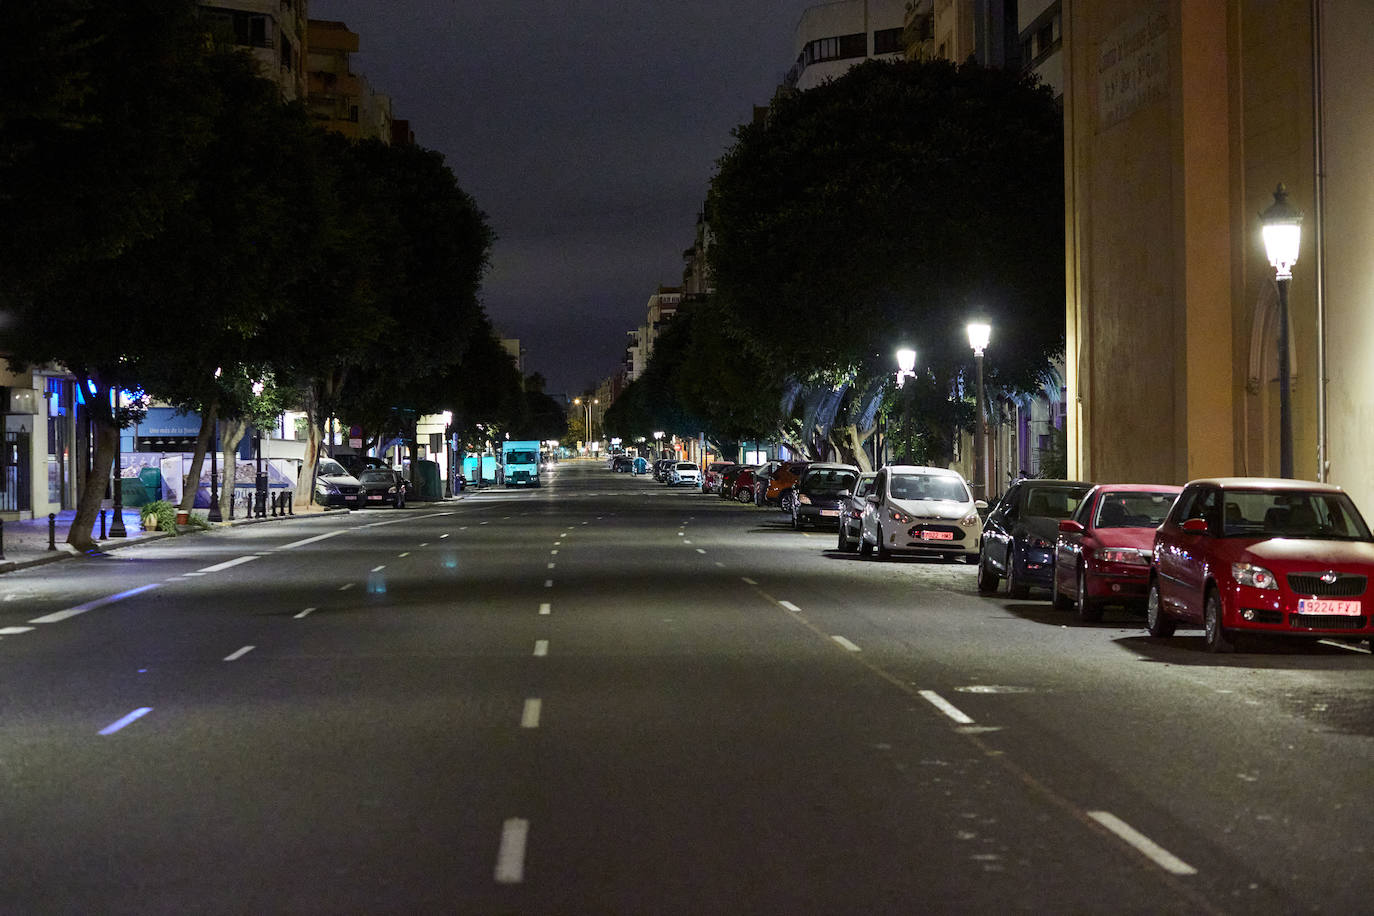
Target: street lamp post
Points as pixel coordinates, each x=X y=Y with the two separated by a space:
x=1282 y=231
x=906 y=366
x=978 y=335
x=215 y=515
x=117 y=529
x=587 y=407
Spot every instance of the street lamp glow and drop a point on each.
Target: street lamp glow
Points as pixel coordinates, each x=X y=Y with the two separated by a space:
x=906 y=359
x=979 y=334
x=1281 y=226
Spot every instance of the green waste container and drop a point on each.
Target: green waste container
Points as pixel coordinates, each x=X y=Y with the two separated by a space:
x=426 y=484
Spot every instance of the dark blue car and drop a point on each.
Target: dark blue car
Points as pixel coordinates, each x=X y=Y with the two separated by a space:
x=1019 y=535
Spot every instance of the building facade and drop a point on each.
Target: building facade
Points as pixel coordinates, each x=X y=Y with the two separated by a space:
x=273 y=31
x=1180 y=120
x=833 y=37
x=338 y=98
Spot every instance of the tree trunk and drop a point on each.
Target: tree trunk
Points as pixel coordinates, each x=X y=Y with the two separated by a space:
x=230 y=438
x=88 y=508
x=191 y=482
x=850 y=446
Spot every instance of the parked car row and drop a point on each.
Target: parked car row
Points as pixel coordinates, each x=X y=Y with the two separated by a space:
x=1229 y=555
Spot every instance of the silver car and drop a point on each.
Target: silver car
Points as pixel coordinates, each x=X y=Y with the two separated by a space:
x=922 y=511
x=851 y=514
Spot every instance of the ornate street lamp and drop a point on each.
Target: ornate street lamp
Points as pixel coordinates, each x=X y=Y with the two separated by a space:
x=1281 y=227
x=979 y=333
x=906 y=368
x=117 y=529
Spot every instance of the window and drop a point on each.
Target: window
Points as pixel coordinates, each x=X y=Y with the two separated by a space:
x=838 y=48
x=887 y=41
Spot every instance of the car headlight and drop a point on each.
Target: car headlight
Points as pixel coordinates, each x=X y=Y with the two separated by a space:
x=900 y=518
x=803 y=499
x=1253 y=576
x=326 y=488
x=1124 y=555
x=969 y=520
x=391 y=490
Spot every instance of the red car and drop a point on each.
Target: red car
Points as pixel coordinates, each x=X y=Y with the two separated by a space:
x=1102 y=555
x=740 y=484
x=1245 y=554
x=714 y=472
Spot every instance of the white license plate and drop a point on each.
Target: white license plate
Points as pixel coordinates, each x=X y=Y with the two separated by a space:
x=937 y=535
x=378 y=497
x=1328 y=606
x=830 y=512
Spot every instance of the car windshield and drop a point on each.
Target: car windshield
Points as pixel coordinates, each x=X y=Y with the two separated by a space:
x=686 y=466
x=331 y=468
x=1133 y=510
x=928 y=486
x=829 y=480
x=1051 y=502
x=1289 y=514
x=522 y=457
x=376 y=477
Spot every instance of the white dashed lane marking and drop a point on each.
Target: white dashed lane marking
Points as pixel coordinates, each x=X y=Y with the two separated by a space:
x=946 y=707
x=1143 y=844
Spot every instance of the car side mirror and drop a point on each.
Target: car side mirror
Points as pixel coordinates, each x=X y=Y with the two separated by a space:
x=980 y=504
x=1069 y=526
x=873 y=498
x=845 y=494
x=1195 y=526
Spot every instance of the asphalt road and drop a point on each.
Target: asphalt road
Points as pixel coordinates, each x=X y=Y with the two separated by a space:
x=604 y=696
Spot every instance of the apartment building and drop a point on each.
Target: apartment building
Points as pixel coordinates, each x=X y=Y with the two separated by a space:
x=833 y=37
x=273 y=31
x=338 y=98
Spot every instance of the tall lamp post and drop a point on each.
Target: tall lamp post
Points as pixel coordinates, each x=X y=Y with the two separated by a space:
x=906 y=368
x=117 y=529
x=1282 y=230
x=587 y=406
x=979 y=333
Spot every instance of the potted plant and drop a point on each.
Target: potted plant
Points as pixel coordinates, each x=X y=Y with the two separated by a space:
x=159 y=515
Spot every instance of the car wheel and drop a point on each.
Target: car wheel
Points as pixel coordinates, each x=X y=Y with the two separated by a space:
x=1061 y=601
x=744 y=496
x=1088 y=610
x=1015 y=586
x=865 y=548
x=1157 y=622
x=883 y=552
x=987 y=579
x=845 y=544
x=1215 y=636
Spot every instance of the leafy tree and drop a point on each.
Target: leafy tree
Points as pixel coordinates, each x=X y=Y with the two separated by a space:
x=94 y=164
x=887 y=207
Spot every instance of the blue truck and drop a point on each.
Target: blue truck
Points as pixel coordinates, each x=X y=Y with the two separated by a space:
x=521 y=462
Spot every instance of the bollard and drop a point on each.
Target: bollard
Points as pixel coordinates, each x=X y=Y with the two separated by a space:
x=102 y=524
x=290 y=503
x=52 y=530
x=2 y=539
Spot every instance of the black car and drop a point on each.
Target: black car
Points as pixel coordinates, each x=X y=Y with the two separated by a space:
x=623 y=464
x=1020 y=532
x=384 y=487
x=822 y=493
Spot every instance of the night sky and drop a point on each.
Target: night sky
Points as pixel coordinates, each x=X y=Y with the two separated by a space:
x=587 y=130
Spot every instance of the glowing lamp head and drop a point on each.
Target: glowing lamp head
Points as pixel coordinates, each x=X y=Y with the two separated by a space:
x=1281 y=226
x=979 y=334
x=906 y=359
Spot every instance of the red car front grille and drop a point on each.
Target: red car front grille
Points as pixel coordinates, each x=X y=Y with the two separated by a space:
x=1345 y=586
x=1325 y=622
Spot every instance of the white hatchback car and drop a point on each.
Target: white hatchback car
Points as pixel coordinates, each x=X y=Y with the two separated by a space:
x=922 y=511
x=684 y=472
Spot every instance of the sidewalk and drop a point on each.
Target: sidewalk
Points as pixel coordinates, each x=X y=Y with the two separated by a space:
x=26 y=542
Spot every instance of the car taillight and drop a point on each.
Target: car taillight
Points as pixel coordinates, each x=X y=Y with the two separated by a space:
x=1123 y=555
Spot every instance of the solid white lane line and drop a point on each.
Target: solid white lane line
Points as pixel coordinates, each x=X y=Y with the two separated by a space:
x=346 y=586
x=846 y=643
x=541 y=647
x=14 y=631
x=510 y=857
x=529 y=716
x=946 y=707
x=378 y=568
x=239 y=654
x=789 y=605
x=305 y=613
x=130 y=718
x=229 y=563
x=318 y=537
x=546 y=609
x=1143 y=844
x=57 y=616
x=548 y=583
x=747 y=581
x=193 y=574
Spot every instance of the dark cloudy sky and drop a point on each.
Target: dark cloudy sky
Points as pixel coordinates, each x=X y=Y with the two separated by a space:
x=587 y=130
